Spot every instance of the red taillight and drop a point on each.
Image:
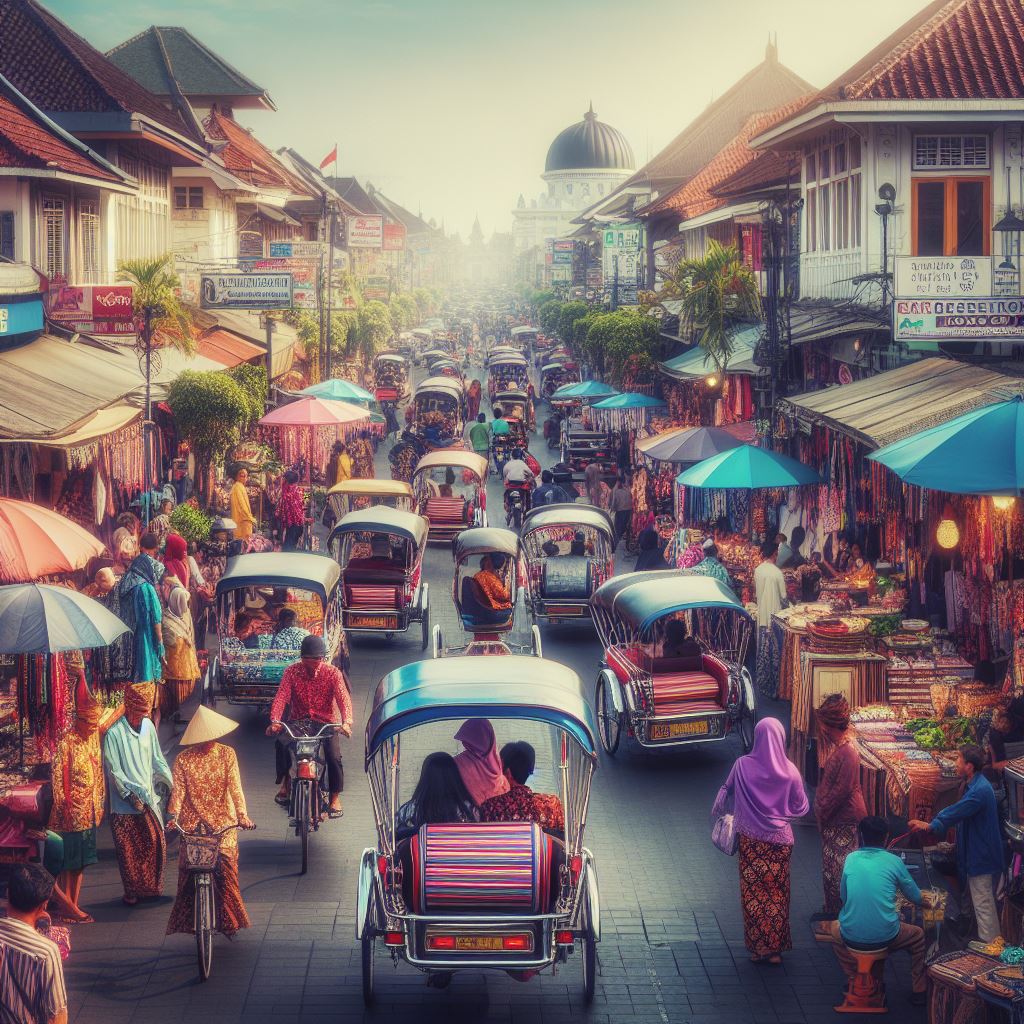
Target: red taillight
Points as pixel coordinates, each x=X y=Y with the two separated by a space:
x=575 y=868
x=382 y=866
x=563 y=938
x=306 y=770
x=394 y=938
x=517 y=943
x=441 y=942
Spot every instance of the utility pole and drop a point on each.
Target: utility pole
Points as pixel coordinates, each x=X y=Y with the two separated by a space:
x=147 y=422
x=330 y=288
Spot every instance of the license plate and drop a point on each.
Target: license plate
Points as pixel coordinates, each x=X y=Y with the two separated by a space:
x=373 y=621
x=472 y=943
x=564 y=612
x=672 y=730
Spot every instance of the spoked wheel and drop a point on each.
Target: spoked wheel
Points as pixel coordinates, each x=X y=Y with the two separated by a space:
x=369 y=943
x=302 y=823
x=589 y=950
x=204 y=930
x=425 y=622
x=609 y=723
x=748 y=711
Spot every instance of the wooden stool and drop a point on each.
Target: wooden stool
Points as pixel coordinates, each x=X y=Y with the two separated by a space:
x=865 y=993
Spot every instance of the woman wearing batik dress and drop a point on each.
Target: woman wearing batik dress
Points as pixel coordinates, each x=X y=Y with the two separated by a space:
x=766 y=793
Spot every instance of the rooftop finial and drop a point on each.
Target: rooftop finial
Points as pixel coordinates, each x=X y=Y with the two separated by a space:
x=771 y=53
x=590 y=115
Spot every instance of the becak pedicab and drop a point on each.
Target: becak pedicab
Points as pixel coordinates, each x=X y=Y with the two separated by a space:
x=451 y=491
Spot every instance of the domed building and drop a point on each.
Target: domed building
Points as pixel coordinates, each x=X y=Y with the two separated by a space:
x=586 y=161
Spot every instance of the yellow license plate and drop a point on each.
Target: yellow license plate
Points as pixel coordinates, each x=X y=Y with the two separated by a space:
x=473 y=943
x=672 y=730
x=373 y=621
x=567 y=612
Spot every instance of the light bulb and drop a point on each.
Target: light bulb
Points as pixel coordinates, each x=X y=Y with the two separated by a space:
x=948 y=534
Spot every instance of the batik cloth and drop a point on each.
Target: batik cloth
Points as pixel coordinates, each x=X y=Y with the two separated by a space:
x=836 y=842
x=230 y=910
x=764 y=896
x=141 y=853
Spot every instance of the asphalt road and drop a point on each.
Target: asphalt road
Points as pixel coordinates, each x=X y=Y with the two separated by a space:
x=672 y=949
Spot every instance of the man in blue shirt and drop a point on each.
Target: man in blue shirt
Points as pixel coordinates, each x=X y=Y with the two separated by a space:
x=871 y=878
x=979 y=842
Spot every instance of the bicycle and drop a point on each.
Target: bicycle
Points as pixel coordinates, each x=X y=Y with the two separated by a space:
x=200 y=853
x=305 y=795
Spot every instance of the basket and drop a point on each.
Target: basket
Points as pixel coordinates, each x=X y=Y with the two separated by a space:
x=199 y=853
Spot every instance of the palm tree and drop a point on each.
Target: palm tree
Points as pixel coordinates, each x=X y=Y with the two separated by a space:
x=717 y=291
x=165 y=323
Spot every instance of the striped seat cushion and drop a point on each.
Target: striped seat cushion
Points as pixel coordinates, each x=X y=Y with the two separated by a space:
x=680 y=692
x=472 y=867
x=446 y=511
x=368 y=595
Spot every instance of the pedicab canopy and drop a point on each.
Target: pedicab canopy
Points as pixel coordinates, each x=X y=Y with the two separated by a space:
x=449 y=385
x=517 y=687
x=436 y=353
x=454 y=457
x=485 y=540
x=315 y=573
x=381 y=519
x=639 y=602
x=567 y=514
x=512 y=358
x=374 y=488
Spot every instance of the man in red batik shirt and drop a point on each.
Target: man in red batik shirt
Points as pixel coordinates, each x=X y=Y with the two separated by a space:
x=520 y=803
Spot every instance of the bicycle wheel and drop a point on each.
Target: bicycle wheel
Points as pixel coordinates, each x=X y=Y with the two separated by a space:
x=302 y=821
x=204 y=930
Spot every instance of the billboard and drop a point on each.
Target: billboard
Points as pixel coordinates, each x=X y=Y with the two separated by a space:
x=298 y=250
x=304 y=273
x=394 y=237
x=245 y=291
x=931 y=277
x=364 y=232
x=958 y=319
x=91 y=308
x=562 y=251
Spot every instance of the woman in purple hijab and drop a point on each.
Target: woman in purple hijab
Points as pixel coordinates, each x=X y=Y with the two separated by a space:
x=766 y=793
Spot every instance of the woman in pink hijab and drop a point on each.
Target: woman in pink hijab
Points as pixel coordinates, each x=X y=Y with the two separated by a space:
x=479 y=763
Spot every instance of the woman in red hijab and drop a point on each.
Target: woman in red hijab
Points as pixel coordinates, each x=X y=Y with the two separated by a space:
x=479 y=763
x=176 y=558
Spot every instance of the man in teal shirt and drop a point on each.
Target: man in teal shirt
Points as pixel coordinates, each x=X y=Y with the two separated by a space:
x=871 y=878
x=499 y=425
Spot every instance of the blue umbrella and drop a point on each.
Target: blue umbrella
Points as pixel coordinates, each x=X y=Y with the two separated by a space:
x=748 y=468
x=36 y=618
x=630 y=400
x=584 y=389
x=981 y=452
x=340 y=390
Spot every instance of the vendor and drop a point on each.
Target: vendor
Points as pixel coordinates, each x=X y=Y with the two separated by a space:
x=839 y=563
x=1007 y=727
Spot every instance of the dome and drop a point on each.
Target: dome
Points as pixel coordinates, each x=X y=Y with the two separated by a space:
x=589 y=145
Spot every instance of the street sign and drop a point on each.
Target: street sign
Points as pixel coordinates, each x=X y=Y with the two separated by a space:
x=245 y=291
x=958 y=319
x=298 y=250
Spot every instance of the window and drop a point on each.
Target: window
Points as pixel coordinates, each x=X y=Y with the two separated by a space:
x=54 y=237
x=812 y=220
x=600 y=188
x=841 y=212
x=568 y=189
x=812 y=167
x=855 y=207
x=854 y=152
x=824 y=194
x=840 y=158
x=89 y=229
x=833 y=194
x=7 y=234
x=188 y=197
x=951 y=216
x=941 y=152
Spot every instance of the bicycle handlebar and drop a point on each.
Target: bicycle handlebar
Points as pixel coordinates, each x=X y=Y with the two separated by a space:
x=330 y=726
x=207 y=835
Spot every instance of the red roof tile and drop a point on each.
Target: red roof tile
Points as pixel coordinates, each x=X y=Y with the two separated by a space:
x=228 y=349
x=27 y=141
x=764 y=171
x=247 y=158
x=60 y=72
x=953 y=49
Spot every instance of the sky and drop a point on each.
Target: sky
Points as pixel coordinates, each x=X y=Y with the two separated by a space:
x=449 y=106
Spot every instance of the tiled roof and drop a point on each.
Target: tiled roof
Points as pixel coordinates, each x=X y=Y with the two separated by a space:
x=355 y=195
x=60 y=72
x=414 y=224
x=764 y=171
x=247 y=158
x=953 y=49
x=162 y=54
x=695 y=197
x=28 y=140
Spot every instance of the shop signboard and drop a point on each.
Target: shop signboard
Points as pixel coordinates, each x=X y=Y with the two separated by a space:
x=20 y=318
x=562 y=251
x=364 y=232
x=91 y=308
x=375 y=286
x=298 y=250
x=304 y=272
x=245 y=291
x=593 y=277
x=976 y=319
x=929 y=277
x=621 y=254
x=250 y=245
x=393 y=238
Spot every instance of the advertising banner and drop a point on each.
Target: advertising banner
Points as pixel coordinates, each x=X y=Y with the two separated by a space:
x=298 y=250
x=245 y=291
x=304 y=277
x=394 y=237
x=958 y=319
x=562 y=251
x=91 y=308
x=930 y=277
x=364 y=232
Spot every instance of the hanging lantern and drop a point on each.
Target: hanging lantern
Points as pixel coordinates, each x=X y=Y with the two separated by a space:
x=948 y=533
x=1003 y=503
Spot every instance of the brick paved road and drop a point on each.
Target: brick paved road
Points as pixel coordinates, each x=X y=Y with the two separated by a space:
x=672 y=949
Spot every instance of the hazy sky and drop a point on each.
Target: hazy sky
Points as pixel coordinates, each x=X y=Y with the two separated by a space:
x=450 y=105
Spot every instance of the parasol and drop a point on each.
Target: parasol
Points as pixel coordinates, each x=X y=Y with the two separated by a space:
x=338 y=390
x=35 y=541
x=748 y=468
x=36 y=618
x=583 y=389
x=629 y=400
x=315 y=412
x=981 y=452
x=687 y=445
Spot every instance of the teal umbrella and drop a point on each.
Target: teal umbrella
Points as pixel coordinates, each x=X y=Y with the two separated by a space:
x=339 y=390
x=748 y=468
x=584 y=389
x=981 y=452
x=629 y=400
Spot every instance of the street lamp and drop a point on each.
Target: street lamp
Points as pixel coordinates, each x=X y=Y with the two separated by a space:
x=885 y=209
x=1009 y=229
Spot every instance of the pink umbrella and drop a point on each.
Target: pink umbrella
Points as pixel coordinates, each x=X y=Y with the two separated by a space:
x=35 y=542
x=315 y=412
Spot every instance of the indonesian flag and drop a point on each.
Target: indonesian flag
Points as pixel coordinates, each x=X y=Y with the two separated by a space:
x=331 y=158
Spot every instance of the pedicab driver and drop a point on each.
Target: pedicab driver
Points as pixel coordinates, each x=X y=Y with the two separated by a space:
x=312 y=689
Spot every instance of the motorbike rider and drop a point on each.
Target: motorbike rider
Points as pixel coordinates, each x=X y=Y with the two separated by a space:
x=518 y=476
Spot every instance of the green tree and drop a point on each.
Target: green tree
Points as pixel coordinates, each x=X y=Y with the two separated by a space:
x=404 y=311
x=567 y=317
x=253 y=382
x=210 y=410
x=537 y=299
x=155 y=287
x=718 y=291
x=613 y=339
x=373 y=330
x=549 y=314
x=424 y=302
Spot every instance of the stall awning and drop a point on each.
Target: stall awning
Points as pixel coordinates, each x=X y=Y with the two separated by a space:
x=228 y=349
x=691 y=364
x=901 y=402
x=822 y=321
x=101 y=423
x=247 y=325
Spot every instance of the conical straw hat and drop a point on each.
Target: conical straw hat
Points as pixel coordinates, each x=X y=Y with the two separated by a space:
x=206 y=725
